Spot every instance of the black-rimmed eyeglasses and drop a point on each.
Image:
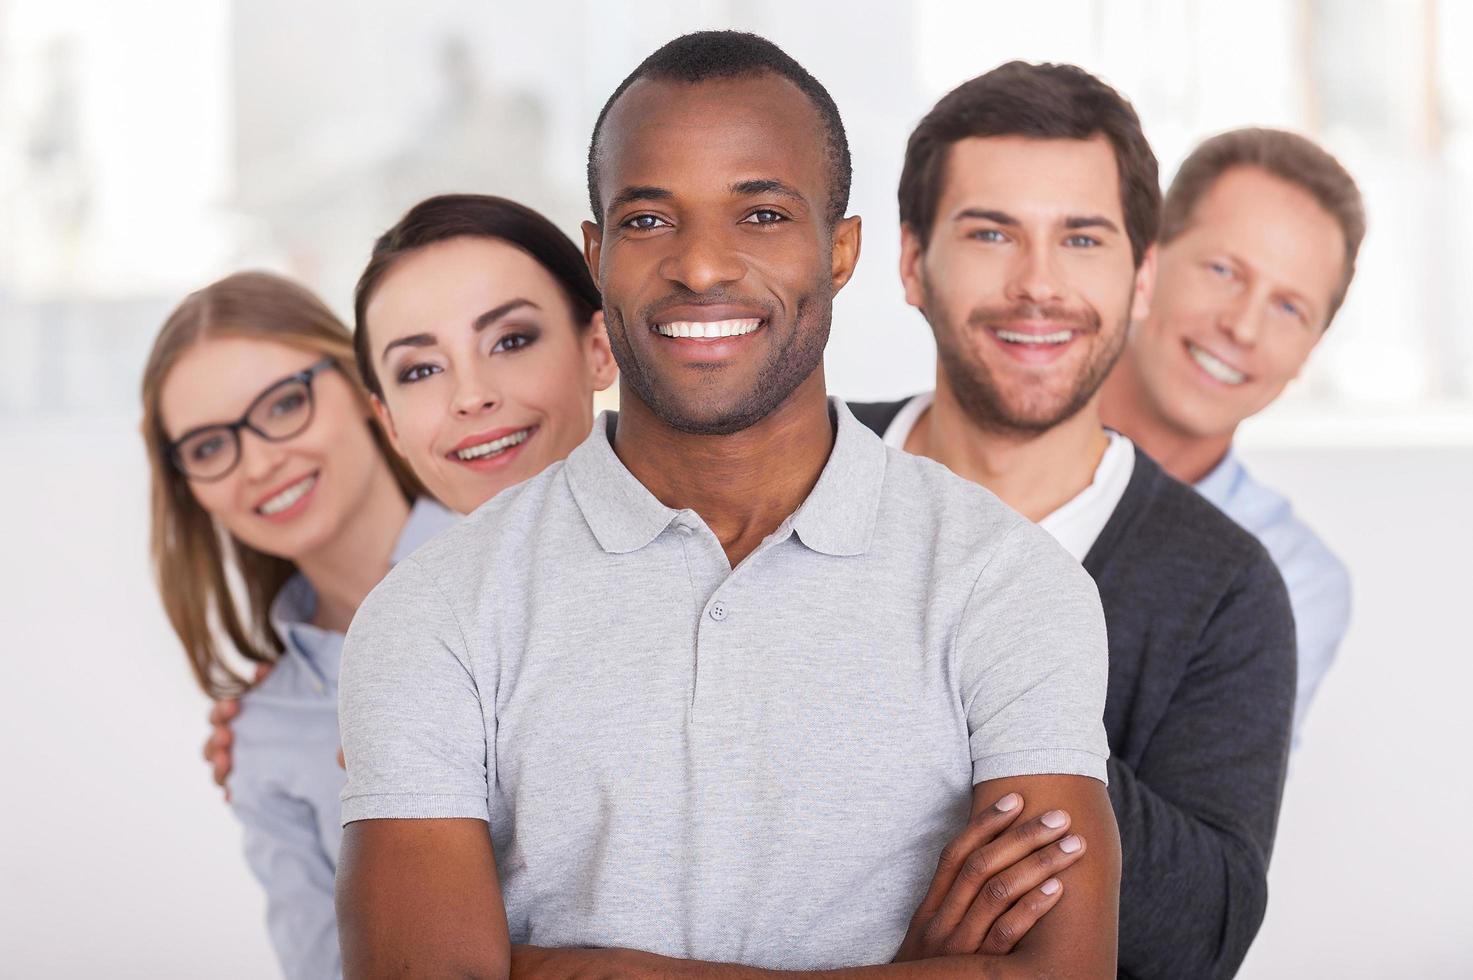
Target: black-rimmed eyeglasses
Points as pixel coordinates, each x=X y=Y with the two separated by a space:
x=280 y=412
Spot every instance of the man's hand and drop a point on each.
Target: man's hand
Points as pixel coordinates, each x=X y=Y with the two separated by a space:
x=217 y=747
x=992 y=883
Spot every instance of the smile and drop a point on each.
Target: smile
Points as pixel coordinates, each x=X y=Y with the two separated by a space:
x=694 y=330
x=281 y=501
x=1018 y=337
x=493 y=447
x=1215 y=367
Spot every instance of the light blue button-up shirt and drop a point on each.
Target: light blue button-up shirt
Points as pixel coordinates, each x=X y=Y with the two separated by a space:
x=1318 y=582
x=286 y=780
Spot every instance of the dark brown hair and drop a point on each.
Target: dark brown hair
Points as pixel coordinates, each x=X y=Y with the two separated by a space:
x=194 y=563
x=1038 y=102
x=448 y=216
x=1287 y=156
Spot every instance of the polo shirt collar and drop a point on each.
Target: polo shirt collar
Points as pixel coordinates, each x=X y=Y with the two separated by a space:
x=623 y=515
x=837 y=518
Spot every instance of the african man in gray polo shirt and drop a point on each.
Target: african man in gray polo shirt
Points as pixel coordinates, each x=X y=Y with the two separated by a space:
x=723 y=685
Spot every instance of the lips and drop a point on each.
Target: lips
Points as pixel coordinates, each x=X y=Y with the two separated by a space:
x=288 y=496
x=708 y=330
x=1214 y=366
x=493 y=446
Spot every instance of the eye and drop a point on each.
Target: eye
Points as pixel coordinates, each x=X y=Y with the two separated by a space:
x=1220 y=270
x=1291 y=308
x=765 y=216
x=513 y=341
x=1081 y=241
x=205 y=448
x=644 y=222
x=418 y=372
x=288 y=403
x=987 y=235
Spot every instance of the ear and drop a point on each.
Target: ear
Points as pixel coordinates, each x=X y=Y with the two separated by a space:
x=845 y=252
x=1145 y=287
x=912 y=276
x=386 y=422
x=602 y=368
x=593 y=242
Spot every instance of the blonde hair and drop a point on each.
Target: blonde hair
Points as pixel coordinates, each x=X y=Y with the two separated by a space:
x=194 y=562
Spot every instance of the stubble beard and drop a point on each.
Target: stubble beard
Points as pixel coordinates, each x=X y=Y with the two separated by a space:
x=787 y=366
x=981 y=397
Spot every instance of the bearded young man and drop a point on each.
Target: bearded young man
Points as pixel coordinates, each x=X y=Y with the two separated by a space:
x=723 y=684
x=1029 y=205
x=1259 y=235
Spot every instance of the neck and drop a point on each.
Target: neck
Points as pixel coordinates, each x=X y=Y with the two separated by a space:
x=743 y=485
x=1126 y=406
x=345 y=569
x=1033 y=473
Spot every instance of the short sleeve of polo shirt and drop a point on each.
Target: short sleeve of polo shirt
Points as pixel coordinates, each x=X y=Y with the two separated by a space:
x=1033 y=662
x=409 y=712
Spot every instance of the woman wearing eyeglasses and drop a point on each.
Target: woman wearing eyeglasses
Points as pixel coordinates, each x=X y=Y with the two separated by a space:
x=269 y=470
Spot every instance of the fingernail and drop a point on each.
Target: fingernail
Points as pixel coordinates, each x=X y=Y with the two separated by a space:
x=1070 y=844
x=1009 y=802
x=1054 y=819
x=1050 y=887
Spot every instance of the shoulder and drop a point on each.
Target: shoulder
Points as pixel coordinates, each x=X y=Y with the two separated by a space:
x=1173 y=522
x=1302 y=556
x=877 y=416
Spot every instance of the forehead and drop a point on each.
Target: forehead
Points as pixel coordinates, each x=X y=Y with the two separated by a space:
x=1039 y=177
x=1267 y=221
x=217 y=378
x=448 y=284
x=691 y=137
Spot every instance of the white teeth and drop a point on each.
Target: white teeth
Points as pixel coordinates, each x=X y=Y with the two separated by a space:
x=1014 y=337
x=289 y=496
x=494 y=446
x=1222 y=372
x=716 y=328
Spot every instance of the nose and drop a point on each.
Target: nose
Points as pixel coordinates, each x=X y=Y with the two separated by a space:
x=702 y=259
x=1034 y=276
x=1242 y=320
x=260 y=458
x=474 y=394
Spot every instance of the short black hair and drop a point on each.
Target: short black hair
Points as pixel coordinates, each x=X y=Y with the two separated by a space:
x=706 y=55
x=1038 y=102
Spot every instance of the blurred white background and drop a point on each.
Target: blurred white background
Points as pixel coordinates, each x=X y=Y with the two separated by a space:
x=146 y=149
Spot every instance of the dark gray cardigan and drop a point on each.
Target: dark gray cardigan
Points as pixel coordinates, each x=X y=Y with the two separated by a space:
x=1198 y=713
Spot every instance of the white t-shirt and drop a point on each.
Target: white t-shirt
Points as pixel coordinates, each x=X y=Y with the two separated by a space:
x=1077 y=523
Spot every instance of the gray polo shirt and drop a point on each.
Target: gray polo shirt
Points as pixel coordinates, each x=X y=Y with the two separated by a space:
x=756 y=765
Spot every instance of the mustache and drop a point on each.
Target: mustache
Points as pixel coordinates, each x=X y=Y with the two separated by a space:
x=992 y=316
x=714 y=297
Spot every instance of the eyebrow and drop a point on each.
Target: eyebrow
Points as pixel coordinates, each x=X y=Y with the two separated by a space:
x=497 y=312
x=1072 y=223
x=639 y=192
x=477 y=325
x=767 y=186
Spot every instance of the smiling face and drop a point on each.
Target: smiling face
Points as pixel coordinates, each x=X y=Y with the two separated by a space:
x=289 y=498
x=487 y=379
x=717 y=263
x=1028 y=280
x=1241 y=301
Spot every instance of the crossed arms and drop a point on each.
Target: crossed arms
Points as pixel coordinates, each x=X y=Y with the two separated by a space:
x=421 y=898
